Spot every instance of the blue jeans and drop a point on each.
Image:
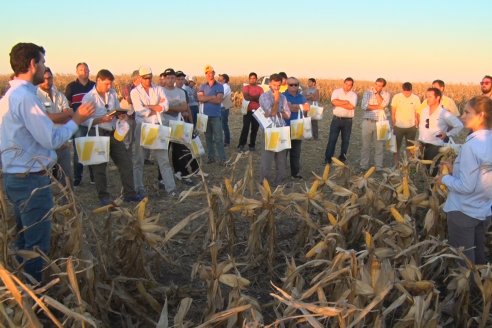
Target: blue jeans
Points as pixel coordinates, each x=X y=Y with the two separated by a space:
x=194 y=113
x=215 y=138
x=225 y=125
x=31 y=213
x=337 y=126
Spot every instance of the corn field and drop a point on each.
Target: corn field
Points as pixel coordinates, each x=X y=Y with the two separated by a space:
x=343 y=249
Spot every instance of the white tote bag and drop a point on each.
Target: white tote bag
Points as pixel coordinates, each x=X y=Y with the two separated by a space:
x=92 y=150
x=201 y=120
x=155 y=136
x=181 y=132
x=244 y=106
x=277 y=137
x=383 y=128
x=307 y=132
x=259 y=115
x=197 y=149
x=315 y=111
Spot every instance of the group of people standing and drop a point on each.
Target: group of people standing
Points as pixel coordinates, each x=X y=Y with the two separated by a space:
x=37 y=122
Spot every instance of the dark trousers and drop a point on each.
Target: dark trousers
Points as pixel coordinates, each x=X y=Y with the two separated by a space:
x=78 y=169
x=249 y=120
x=225 y=125
x=295 y=157
x=469 y=233
x=194 y=114
x=122 y=158
x=431 y=151
x=338 y=126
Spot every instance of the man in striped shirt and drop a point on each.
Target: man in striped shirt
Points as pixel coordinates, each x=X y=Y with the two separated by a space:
x=374 y=102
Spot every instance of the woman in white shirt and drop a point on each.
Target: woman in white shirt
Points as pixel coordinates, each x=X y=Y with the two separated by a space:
x=469 y=201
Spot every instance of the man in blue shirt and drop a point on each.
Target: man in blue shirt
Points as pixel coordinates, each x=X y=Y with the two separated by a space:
x=28 y=140
x=297 y=102
x=211 y=94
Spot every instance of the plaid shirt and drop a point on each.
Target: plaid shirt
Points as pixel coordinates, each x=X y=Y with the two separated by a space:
x=369 y=98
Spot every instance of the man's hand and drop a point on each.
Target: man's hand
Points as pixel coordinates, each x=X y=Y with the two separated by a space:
x=84 y=112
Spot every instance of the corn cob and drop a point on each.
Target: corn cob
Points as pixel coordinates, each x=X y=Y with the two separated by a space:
x=397 y=216
x=368 y=239
x=406 y=189
x=369 y=172
x=228 y=185
x=266 y=185
x=337 y=162
x=314 y=189
x=316 y=249
x=326 y=172
x=332 y=219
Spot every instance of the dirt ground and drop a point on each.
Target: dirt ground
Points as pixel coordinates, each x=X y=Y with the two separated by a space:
x=188 y=247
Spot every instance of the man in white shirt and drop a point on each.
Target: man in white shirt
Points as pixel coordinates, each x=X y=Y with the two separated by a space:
x=436 y=125
x=225 y=107
x=59 y=111
x=404 y=107
x=106 y=100
x=149 y=103
x=446 y=102
x=344 y=101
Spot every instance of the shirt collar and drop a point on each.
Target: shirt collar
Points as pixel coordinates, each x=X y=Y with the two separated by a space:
x=19 y=82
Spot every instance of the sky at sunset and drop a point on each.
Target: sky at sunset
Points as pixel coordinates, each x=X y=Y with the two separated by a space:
x=399 y=40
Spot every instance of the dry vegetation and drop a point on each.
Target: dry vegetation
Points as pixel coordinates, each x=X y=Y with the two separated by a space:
x=342 y=249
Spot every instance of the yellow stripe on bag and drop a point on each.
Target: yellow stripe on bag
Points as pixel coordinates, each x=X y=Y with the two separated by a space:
x=178 y=131
x=150 y=137
x=87 y=151
x=274 y=139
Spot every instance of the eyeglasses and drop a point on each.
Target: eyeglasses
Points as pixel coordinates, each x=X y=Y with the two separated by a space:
x=293 y=85
x=147 y=77
x=485 y=83
x=427 y=123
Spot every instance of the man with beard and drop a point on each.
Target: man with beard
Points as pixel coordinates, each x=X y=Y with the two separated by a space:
x=486 y=86
x=28 y=139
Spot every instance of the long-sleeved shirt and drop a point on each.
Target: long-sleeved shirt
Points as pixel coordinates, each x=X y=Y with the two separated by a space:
x=28 y=137
x=430 y=126
x=470 y=185
x=370 y=98
x=141 y=100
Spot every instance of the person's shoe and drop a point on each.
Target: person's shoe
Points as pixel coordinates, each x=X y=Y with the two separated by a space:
x=172 y=194
x=226 y=145
x=297 y=177
x=162 y=186
x=105 y=201
x=252 y=148
x=77 y=182
x=148 y=162
x=210 y=161
x=221 y=163
x=240 y=149
x=177 y=175
x=134 y=198
x=92 y=182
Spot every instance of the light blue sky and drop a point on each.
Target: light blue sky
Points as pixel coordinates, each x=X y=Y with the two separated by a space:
x=400 y=40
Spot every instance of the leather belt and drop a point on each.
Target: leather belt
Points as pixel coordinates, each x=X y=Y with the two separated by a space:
x=23 y=175
x=342 y=118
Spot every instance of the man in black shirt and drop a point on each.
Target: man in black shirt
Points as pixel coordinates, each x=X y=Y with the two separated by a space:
x=74 y=92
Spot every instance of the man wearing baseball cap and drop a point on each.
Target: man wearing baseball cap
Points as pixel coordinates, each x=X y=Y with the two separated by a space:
x=211 y=94
x=149 y=102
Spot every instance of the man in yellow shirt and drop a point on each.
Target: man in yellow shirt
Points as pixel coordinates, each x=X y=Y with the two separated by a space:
x=446 y=102
x=403 y=116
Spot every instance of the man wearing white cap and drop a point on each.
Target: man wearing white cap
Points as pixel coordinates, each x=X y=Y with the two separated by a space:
x=149 y=101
